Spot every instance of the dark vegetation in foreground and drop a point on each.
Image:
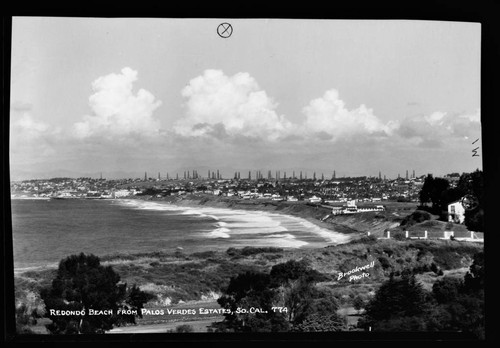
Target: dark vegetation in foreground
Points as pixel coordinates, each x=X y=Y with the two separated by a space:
x=305 y=282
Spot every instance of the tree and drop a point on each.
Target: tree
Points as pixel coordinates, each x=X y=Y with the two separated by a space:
x=317 y=322
x=436 y=191
x=425 y=191
x=246 y=290
x=473 y=184
x=358 y=303
x=397 y=301
x=82 y=285
x=460 y=304
x=24 y=319
x=289 y=285
x=474 y=279
x=447 y=289
x=295 y=282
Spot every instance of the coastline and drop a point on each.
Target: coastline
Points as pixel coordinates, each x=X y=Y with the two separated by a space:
x=304 y=213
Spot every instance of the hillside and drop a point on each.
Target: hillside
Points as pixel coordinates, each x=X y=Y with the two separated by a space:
x=199 y=279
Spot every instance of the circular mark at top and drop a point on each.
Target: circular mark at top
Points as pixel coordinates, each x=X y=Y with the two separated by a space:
x=469 y=202
x=225 y=30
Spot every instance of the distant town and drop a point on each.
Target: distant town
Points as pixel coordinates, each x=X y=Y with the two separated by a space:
x=297 y=187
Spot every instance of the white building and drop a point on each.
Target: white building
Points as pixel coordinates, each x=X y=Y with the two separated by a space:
x=456 y=212
x=315 y=199
x=122 y=193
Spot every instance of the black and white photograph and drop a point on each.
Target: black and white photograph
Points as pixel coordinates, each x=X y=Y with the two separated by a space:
x=208 y=176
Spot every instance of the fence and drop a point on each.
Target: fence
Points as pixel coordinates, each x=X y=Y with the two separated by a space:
x=469 y=236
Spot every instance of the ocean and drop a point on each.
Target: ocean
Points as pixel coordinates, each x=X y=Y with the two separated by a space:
x=46 y=231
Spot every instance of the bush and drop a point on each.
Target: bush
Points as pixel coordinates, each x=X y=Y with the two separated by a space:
x=416 y=217
x=371 y=239
x=248 y=251
x=399 y=236
x=184 y=328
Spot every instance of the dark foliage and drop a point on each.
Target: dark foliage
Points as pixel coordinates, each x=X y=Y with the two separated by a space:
x=82 y=283
x=416 y=217
x=453 y=305
x=289 y=285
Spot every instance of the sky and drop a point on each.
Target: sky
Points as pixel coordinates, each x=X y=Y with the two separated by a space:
x=124 y=96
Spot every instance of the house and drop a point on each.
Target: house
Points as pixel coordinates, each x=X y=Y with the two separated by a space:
x=315 y=199
x=456 y=212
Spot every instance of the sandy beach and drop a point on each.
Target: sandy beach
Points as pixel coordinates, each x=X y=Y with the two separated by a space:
x=308 y=215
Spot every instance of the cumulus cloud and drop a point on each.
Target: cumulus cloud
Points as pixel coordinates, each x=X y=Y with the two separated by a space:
x=25 y=128
x=29 y=136
x=233 y=105
x=438 y=127
x=116 y=110
x=328 y=117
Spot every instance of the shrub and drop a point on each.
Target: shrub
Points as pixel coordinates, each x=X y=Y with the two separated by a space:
x=399 y=236
x=416 y=217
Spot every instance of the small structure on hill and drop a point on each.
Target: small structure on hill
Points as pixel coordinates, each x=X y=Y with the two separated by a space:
x=456 y=212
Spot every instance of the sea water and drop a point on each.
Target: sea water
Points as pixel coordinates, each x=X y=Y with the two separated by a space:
x=45 y=231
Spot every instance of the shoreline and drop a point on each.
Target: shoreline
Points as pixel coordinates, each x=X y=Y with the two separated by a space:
x=302 y=212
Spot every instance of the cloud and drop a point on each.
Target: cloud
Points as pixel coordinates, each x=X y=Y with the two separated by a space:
x=235 y=103
x=20 y=106
x=328 y=117
x=29 y=136
x=116 y=110
x=435 y=129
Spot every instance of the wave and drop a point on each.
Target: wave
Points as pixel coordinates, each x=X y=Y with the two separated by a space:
x=242 y=222
x=276 y=240
x=328 y=235
x=258 y=230
x=219 y=233
x=284 y=235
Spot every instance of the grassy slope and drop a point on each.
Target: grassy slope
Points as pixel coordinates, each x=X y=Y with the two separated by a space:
x=195 y=280
x=178 y=276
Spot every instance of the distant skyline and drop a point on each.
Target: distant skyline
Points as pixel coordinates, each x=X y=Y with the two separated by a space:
x=91 y=95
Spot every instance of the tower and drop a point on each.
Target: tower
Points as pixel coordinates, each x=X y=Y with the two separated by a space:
x=145 y=176
x=407 y=174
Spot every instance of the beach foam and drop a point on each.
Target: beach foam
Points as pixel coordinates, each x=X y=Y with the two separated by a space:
x=238 y=222
x=219 y=233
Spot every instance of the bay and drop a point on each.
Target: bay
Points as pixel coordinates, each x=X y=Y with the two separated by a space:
x=45 y=231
